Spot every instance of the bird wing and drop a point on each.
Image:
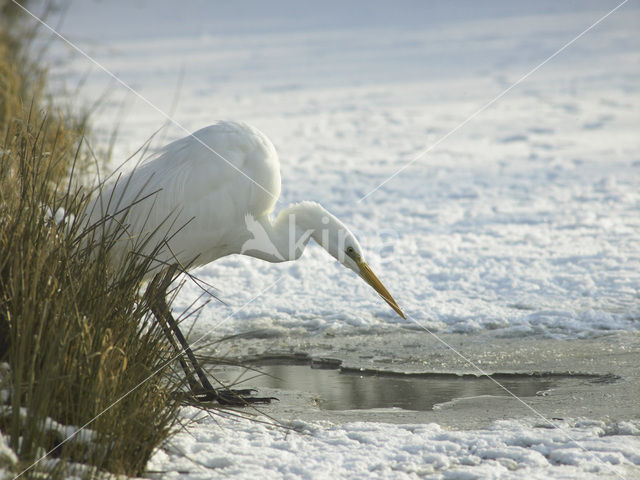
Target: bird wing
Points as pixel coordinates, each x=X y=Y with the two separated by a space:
x=198 y=189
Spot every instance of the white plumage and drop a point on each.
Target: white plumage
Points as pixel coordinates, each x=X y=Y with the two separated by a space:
x=211 y=194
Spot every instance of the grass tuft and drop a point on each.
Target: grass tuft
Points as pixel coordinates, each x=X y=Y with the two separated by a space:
x=78 y=340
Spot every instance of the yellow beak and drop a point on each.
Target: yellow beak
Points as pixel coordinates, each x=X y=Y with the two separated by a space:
x=367 y=274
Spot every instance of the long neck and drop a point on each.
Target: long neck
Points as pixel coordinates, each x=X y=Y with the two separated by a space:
x=286 y=238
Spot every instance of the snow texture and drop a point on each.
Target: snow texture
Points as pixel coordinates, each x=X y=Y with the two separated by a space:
x=8 y=458
x=509 y=449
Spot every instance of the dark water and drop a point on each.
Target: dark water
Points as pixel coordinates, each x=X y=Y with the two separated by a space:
x=349 y=390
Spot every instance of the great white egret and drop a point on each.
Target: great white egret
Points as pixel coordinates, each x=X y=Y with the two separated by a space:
x=209 y=195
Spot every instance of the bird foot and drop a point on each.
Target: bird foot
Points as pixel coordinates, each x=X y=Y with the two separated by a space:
x=229 y=397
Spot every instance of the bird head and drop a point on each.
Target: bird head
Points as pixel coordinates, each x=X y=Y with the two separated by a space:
x=353 y=259
x=338 y=240
x=311 y=220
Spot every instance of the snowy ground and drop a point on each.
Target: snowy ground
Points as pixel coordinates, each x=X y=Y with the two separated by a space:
x=507 y=450
x=522 y=221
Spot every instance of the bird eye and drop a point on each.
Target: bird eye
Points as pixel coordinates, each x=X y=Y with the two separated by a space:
x=350 y=250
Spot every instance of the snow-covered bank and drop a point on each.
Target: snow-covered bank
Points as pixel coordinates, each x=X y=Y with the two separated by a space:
x=508 y=450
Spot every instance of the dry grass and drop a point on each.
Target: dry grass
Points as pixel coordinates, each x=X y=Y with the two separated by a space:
x=79 y=341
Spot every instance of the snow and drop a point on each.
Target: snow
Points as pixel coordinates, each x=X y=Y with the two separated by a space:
x=513 y=210
x=8 y=458
x=511 y=449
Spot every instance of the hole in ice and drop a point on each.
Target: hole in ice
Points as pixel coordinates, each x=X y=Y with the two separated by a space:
x=339 y=388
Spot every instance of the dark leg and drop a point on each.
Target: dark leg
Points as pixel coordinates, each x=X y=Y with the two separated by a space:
x=202 y=391
x=158 y=313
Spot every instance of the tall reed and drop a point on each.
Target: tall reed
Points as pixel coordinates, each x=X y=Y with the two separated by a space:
x=78 y=339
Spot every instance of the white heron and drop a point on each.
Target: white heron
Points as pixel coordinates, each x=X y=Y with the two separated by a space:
x=209 y=195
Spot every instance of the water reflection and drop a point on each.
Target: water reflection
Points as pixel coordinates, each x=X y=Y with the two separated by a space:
x=347 y=391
